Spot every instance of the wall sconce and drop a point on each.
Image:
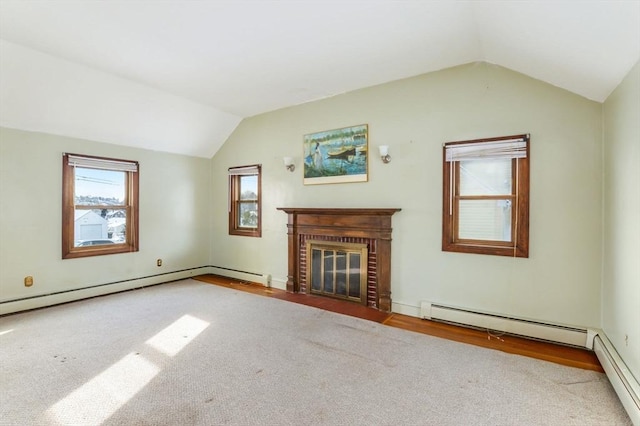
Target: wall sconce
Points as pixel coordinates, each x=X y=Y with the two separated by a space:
x=384 y=153
x=288 y=163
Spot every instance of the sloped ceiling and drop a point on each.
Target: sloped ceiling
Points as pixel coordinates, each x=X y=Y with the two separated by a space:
x=178 y=76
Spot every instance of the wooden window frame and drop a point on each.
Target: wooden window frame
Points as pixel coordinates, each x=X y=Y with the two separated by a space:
x=235 y=202
x=131 y=206
x=519 y=246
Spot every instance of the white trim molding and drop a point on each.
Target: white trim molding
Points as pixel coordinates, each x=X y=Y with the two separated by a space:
x=621 y=378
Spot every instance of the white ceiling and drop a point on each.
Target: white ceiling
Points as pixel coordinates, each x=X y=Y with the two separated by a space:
x=178 y=76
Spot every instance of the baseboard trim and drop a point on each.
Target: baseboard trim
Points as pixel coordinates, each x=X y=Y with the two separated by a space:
x=238 y=274
x=280 y=284
x=71 y=295
x=624 y=383
x=266 y=280
x=405 y=309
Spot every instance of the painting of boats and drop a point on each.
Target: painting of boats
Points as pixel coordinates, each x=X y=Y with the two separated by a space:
x=336 y=156
x=343 y=153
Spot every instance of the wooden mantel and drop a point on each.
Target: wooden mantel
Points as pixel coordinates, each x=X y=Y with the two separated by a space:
x=370 y=223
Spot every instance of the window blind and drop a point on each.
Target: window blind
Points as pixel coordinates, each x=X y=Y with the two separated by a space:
x=104 y=164
x=508 y=148
x=244 y=171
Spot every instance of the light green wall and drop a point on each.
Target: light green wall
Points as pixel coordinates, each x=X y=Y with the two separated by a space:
x=559 y=283
x=621 y=278
x=184 y=199
x=174 y=215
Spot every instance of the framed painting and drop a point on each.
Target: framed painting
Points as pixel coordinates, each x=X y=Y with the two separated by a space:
x=336 y=156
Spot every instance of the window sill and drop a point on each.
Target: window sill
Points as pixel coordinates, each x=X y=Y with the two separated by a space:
x=76 y=252
x=247 y=233
x=486 y=249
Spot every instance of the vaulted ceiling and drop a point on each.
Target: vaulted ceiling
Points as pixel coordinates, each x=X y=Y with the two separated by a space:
x=178 y=76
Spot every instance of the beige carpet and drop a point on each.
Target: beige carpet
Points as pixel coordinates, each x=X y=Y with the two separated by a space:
x=190 y=353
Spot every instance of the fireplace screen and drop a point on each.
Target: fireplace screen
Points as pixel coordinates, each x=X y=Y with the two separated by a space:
x=337 y=269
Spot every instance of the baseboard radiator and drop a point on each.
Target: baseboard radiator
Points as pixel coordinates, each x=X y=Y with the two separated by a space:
x=502 y=324
x=624 y=383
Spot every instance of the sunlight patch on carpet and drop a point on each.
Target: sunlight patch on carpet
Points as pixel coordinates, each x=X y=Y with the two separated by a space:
x=175 y=337
x=99 y=398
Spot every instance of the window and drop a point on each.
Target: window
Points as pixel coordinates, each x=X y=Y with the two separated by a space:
x=486 y=196
x=244 y=201
x=99 y=206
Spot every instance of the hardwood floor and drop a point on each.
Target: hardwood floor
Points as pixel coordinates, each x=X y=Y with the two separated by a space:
x=565 y=355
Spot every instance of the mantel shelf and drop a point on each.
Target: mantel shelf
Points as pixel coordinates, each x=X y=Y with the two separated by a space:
x=340 y=211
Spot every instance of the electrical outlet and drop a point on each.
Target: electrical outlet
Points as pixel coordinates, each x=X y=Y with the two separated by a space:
x=159 y=262
x=28 y=281
x=626 y=340
x=269 y=280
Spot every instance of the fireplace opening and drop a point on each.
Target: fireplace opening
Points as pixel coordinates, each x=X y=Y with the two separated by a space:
x=337 y=269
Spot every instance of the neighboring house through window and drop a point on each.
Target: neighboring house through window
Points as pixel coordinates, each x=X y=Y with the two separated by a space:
x=99 y=206
x=244 y=201
x=486 y=196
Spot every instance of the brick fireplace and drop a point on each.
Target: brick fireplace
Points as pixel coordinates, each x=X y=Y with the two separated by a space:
x=346 y=228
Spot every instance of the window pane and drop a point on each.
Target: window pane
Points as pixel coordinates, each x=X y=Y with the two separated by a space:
x=117 y=225
x=486 y=177
x=341 y=273
x=99 y=187
x=248 y=215
x=249 y=187
x=328 y=271
x=354 y=274
x=316 y=269
x=99 y=226
x=485 y=220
